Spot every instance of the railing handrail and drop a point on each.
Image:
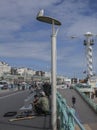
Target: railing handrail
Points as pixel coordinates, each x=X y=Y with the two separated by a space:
x=88 y=100
x=68 y=112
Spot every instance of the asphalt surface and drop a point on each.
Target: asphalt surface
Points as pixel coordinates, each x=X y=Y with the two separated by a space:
x=12 y=101
x=83 y=112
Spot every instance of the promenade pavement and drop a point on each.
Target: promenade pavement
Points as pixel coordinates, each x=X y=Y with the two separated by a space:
x=36 y=123
x=95 y=100
x=82 y=110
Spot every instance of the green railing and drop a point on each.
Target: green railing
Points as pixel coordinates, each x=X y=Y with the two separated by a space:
x=87 y=99
x=66 y=115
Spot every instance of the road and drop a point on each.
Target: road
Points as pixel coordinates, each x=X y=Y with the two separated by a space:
x=13 y=101
x=83 y=112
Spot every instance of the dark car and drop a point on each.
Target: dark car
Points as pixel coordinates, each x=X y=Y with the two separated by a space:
x=3 y=85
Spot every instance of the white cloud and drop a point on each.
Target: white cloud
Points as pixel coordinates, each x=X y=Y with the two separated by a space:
x=82 y=26
x=21 y=35
x=26 y=49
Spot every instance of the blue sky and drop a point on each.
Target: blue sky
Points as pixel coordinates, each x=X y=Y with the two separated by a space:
x=26 y=42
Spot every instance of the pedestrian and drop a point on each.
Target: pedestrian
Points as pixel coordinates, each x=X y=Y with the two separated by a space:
x=42 y=105
x=35 y=102
x=47 y=89
x=73 y=101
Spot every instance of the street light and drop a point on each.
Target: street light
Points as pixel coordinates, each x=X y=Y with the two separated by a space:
x=52 y=21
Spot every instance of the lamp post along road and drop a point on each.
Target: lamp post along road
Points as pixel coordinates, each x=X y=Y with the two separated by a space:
x=54 y=22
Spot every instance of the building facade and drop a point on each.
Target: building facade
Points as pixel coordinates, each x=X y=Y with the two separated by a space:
x=4 y=68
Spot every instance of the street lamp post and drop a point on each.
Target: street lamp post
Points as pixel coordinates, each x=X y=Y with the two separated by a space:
x=52 y=21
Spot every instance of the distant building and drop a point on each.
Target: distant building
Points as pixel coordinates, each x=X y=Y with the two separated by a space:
x=40 y=73
x=14 y=71
x=4 y=68
x=27 y=74
x=47 y=74
x=63 y=80
x=25 y=71
x=74 y=80
x=93 y=82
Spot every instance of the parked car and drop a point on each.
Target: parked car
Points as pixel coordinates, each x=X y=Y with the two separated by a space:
x=63 y=86
x=3 y=85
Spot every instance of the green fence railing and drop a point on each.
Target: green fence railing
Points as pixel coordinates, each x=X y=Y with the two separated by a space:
x=66 y=115
x=90 y=102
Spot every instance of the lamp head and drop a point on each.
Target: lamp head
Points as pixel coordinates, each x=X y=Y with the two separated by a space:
x=41 y=13
x=46 y=19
